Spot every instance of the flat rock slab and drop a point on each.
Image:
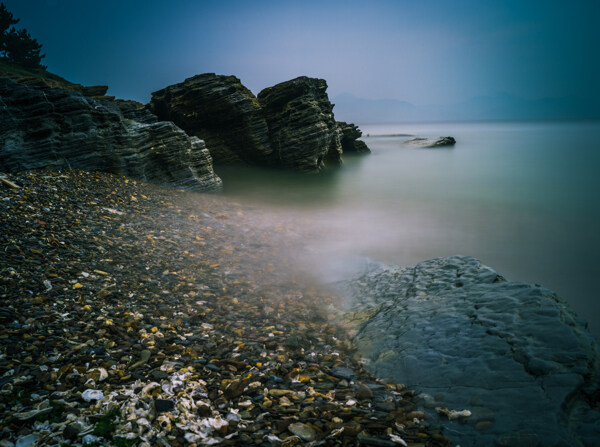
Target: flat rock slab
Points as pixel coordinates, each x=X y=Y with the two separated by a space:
x=511 y=353
x=432 y=142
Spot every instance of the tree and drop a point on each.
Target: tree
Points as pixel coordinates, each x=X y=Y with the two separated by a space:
x=17 y=45
x=6 y=21
x=23 y=49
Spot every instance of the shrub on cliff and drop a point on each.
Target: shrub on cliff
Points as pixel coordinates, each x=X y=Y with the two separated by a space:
x=17 y=45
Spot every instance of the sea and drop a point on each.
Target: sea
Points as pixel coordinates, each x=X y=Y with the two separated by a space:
x=522 y=197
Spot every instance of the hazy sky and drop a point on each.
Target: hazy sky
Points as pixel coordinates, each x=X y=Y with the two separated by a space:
x=415 y=50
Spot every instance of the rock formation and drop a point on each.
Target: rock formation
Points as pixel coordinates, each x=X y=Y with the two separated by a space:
x=289 y=125
x=350 y=138
x=44 y=126
x=219 y=110
x=302 y=130
x=432 y=142
x=514 y=355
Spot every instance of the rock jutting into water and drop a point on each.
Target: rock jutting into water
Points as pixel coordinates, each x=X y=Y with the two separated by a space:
x=219 y=110
x=289 y=125
x=513 y=355
x=350 y=138
x=432 y=142
x=303 y=133
x=44 y=126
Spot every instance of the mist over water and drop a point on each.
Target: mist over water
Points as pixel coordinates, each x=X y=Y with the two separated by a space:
x=520 y=197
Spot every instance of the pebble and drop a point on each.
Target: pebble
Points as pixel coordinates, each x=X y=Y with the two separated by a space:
x=303 y=431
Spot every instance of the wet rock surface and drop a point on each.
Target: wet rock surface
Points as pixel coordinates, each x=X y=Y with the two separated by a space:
x=303 y=133
x=432 y=142
x=503 y=362
x=132 y=314
x=289 y=125
x=350 y=138
x=219 y=110
x=43 y=126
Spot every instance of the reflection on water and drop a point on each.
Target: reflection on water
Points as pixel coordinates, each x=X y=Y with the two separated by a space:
x=521 y=197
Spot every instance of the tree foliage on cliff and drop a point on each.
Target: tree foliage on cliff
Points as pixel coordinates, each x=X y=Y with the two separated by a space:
x=17 y=45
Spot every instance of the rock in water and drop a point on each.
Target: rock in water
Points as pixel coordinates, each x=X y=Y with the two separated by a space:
x=511 y=353
x=290 y=125
x=43 y=126
x=303 y=133
x=432 y=142
x=221 y=111
x=350 y=138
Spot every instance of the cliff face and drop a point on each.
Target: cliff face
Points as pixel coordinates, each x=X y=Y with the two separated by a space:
x=289 y=125
x=44 y=126
x=221 y=111
x=302 y=130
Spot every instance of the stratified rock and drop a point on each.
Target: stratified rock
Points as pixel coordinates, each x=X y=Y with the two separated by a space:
x=432 y=142
x=221 y=111
x=94 y=90
x=41 y=126
x=302 y=130
x=350 y=138
x=512 y=354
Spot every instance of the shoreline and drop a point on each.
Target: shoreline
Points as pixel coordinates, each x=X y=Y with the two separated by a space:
x=137 y=313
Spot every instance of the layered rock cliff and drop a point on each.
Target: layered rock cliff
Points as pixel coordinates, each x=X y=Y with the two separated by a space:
x=289 y=125
x=221 y=111
x=302 y=130
x=44 y=126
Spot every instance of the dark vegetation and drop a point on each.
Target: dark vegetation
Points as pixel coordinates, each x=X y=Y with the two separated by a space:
x=17 y=45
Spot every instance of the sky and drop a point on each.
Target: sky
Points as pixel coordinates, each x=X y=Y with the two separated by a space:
x=421 y=51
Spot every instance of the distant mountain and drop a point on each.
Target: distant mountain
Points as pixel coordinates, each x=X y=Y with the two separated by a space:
x=500 y=106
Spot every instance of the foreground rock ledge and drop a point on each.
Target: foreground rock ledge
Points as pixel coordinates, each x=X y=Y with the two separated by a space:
x=511 y=353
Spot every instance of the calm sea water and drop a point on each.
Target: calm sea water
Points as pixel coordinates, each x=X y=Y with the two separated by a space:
x=522 y=197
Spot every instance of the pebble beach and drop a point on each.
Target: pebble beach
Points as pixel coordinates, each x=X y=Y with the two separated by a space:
x=134 y=314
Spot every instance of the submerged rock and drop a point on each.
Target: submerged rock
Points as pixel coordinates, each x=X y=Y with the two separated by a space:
x=432 y=142
x=512 y=354
x=42 y=126
x=219 y=110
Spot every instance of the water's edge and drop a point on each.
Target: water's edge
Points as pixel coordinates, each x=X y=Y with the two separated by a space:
x=513 y=354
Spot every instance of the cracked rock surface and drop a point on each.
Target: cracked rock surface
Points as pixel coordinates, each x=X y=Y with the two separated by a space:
x=513 y=354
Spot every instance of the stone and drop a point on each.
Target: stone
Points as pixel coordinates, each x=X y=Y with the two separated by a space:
x=94 y=90
x=363 y=392
x=163 y=405
x=343 y=372
x=432 y=142
x=503 y=351
x=302 y=131
x=303 y=431
x=222 y=112
x=349 y=139
x=72 y=430
x=43 y=126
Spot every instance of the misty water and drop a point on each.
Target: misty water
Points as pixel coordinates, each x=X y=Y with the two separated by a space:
x=519 y=196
